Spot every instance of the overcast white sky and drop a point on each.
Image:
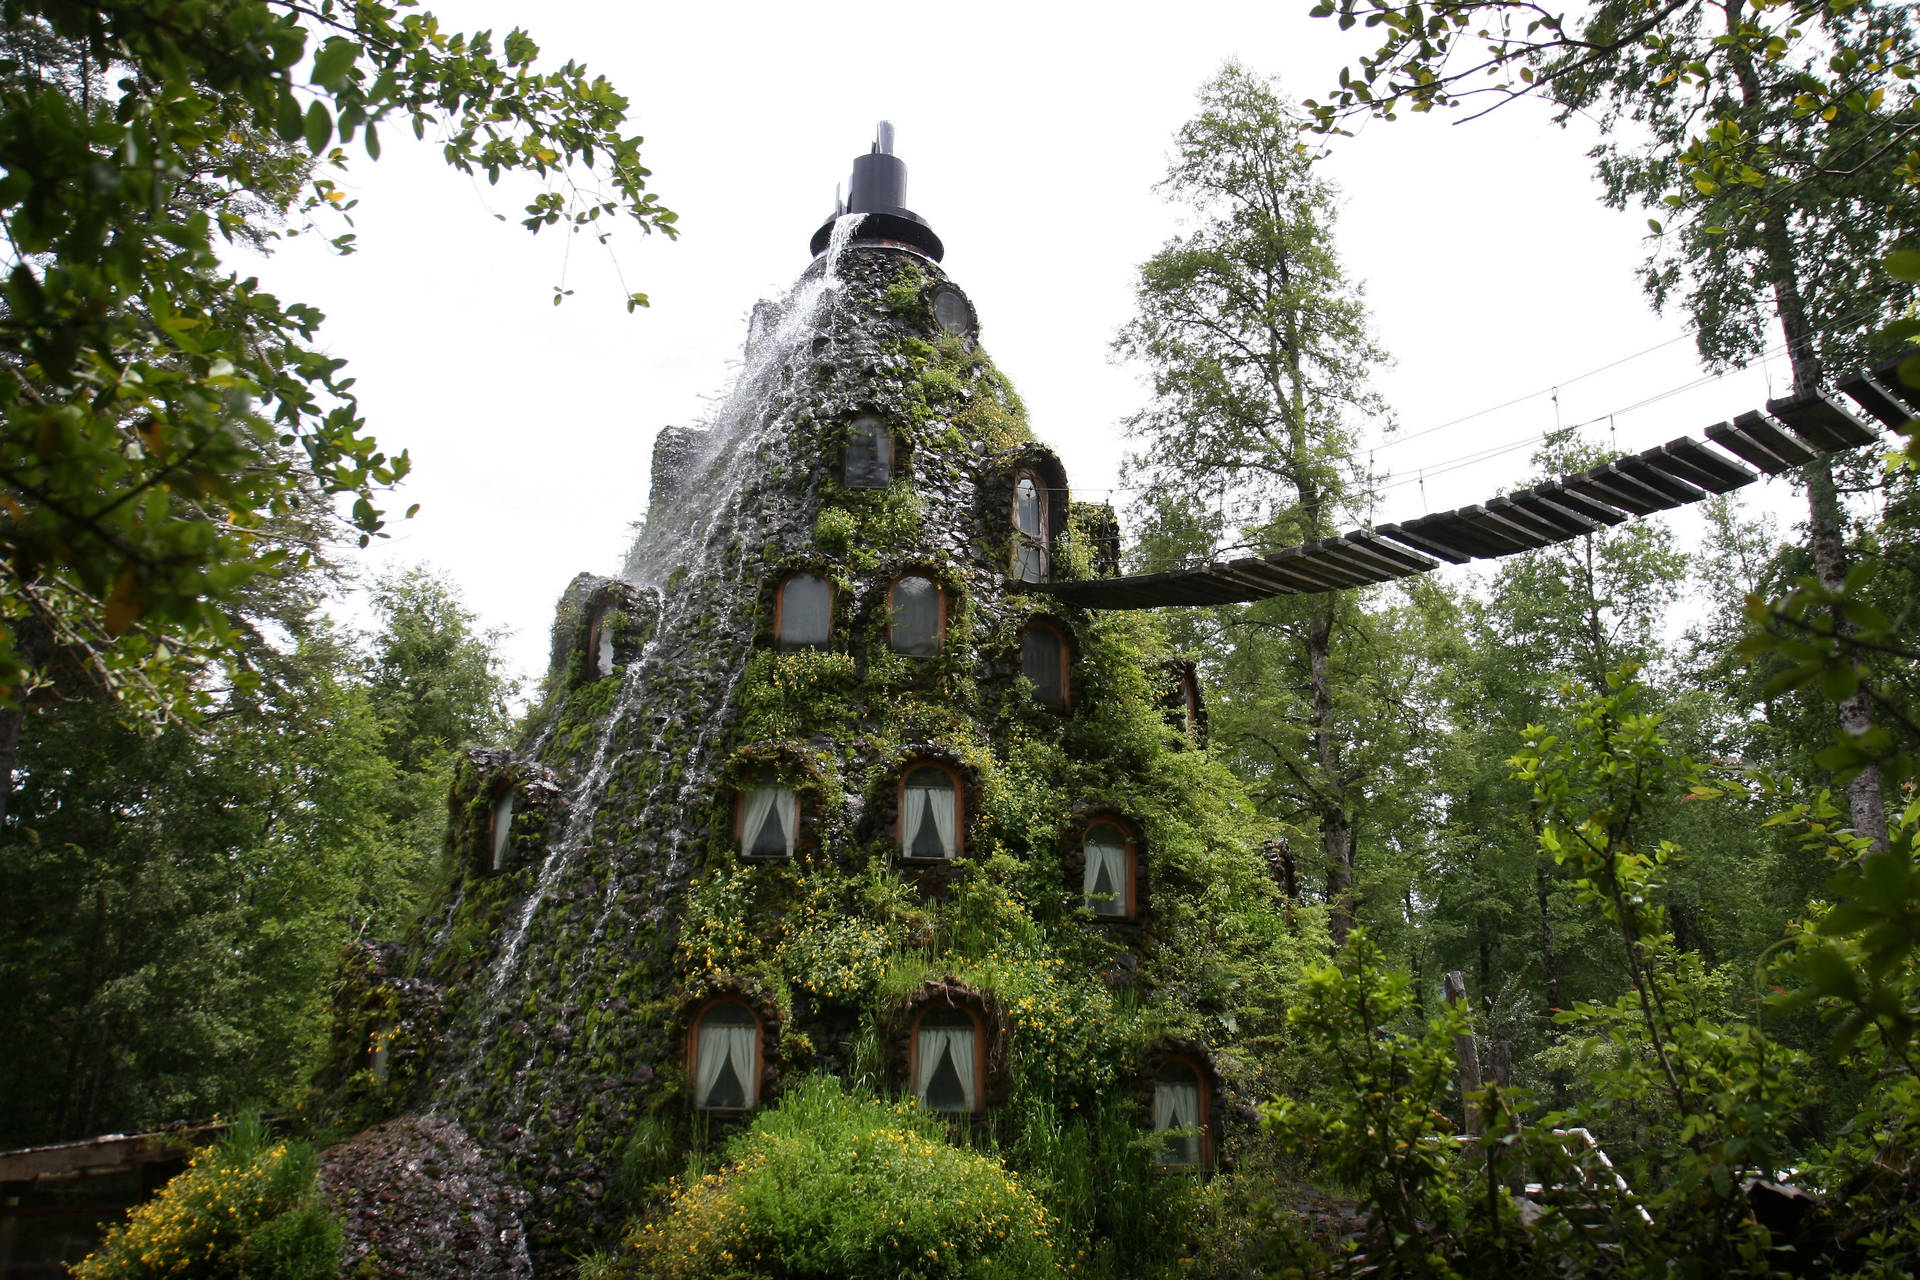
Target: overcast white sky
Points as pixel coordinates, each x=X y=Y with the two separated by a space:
x=1033 y=134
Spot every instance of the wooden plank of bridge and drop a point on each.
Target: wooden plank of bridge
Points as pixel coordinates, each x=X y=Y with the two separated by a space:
x=1480 y=544
x=1822 y=422
x=1420 y=541
x=1887 y=374
x=1650 y=473
x=1694 y=462
x=1412 y=560
x=1866 y=392
x=1557 y=523
x=1621 y=490
x=1559 y=495
x=1773 y=437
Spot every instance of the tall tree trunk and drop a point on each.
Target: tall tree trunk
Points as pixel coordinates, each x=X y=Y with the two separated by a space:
x=1549 y=958
x=1336 y=827
x=10 y=720
x=1866 y=800
x=1825 y=519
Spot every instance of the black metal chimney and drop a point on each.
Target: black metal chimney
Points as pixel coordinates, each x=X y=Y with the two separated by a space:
x=879 y=190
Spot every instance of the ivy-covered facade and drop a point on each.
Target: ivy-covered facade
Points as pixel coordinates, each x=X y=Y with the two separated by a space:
x=750 y=834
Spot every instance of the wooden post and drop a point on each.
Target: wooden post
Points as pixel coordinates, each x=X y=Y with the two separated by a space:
x=1455 y=986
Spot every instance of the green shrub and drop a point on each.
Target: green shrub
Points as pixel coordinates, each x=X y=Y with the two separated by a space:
x=841 y=1187
x=246 y=1207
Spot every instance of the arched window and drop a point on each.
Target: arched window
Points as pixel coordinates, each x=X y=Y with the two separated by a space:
x=600 y=644
x=930 y=813
x=726 y=1058
x=1107 y=884
x=500 y=827
x=767 y=818
x=869 y=454
x=1180 y=1114
x=947 y=1060
x=916 y=616
x=803 y=614
x=1030 y=527
x=1043 y=660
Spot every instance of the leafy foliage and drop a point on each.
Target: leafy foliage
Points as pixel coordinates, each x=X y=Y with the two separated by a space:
x=829 y=1184
x=153 y=402
x=175 y=901
x=248 y=1206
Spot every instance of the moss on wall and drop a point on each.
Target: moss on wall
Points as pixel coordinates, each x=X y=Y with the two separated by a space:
x=569 y=979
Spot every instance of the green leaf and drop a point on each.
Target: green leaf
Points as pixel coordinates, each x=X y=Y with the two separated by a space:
x=1904 y=264
x=335 y=58
x=319 y=127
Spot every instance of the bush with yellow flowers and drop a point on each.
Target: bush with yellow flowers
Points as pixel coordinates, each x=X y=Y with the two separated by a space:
x=247 y=1207
x=836 y=1186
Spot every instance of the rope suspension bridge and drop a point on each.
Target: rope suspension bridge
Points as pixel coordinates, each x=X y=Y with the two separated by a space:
x=1788 y=433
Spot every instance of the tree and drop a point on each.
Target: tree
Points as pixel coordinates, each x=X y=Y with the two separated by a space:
x=1786 y=135
x=149 y=397
x=1258 y=351
x=435 y=684
x=173 y=899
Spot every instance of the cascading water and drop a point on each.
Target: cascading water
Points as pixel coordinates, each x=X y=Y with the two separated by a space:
x=682 y=539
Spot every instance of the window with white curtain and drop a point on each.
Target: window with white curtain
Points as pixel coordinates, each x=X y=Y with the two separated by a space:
x=600 y=643
x=1030 y=528
x=805 y=612
x=1043 y=661
x=726 y=1052
x=769 y=819
x=869 y=454
x=946 y=1061
x=500 y=826
x=929 y=814
x=1107 y=885
x=913 y=625
x=1176 y=1113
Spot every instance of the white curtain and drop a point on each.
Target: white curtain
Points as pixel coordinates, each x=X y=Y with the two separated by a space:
x=1105 y=857
x=723 y=1044
x=937 y=1043
x=941 y=802
x=1177 y=1106
x=917 y=805
x=913 y=811
x=502 y=827
x=760 y=802
x=1026 y=507
x=916 y=617
x=603 y=651
x=1029 y=518
x=806 y=613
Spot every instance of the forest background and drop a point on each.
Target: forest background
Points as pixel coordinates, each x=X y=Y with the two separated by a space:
x=211 y=787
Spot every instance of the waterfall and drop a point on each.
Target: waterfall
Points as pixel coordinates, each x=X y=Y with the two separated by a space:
x=689 y=535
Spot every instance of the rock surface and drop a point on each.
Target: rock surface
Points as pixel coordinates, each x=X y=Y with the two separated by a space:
x=417 y=1199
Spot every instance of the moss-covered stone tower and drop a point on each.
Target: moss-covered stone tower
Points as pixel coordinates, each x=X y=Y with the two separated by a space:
x=827 y=782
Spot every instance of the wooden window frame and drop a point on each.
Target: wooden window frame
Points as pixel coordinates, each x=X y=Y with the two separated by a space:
x=693 y=1055
x=979 y=1056
x=779 y=607
x=1132 y=838
x=1043 y=507
x=940 y=632
x=740 y=790
x=959 y=814
x=1066 y=661
x=1204 y=1109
